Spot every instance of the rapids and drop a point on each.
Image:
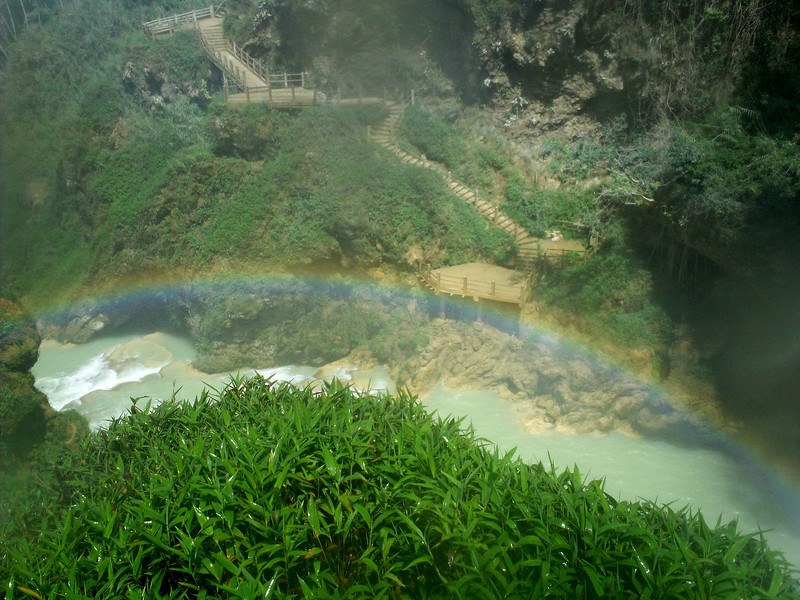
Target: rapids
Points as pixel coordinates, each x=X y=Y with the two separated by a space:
x=99 y=378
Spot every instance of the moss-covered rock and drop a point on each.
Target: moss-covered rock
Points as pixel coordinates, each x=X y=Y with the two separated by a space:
x=23 y=408
x=19 y=340
x=23 y=414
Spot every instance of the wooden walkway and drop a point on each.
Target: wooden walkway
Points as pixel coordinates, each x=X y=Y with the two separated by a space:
x=480 y=281
x=245 y=78
x=531 y=249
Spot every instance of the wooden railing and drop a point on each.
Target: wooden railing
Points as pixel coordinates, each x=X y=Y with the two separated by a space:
x=251 y=63
x=550 y=256
x=283 y=81
x=473 y=198
x=219 y=58
x=475 y=288
x=172 y=22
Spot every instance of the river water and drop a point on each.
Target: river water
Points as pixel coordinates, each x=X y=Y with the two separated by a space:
x=99 y=378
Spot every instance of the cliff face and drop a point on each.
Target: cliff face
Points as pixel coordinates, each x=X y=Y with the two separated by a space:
x=557 y=67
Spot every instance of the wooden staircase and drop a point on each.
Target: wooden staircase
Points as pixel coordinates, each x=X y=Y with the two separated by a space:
x=385 y=134
x=246 y=79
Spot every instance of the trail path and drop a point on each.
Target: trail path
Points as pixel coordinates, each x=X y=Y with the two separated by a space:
x=531 y=248
x=248 y=80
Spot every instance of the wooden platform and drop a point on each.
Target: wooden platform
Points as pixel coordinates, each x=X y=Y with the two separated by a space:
x=480 y=281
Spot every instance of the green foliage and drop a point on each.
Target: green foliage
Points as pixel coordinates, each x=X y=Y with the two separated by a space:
x=540 y=209
x=400 y=336
x=723 y=186
x=22 y=406
x=80 y=93
x=273 y=491
x=434 y=138
x=611 y=293
x=251 y=133
x=22 y=417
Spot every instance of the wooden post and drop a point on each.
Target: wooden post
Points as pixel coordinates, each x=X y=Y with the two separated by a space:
x=303 y=79
x=492 y=292
x=465 y=286
x=413 y=97
x=285 y=80
x=247 y=93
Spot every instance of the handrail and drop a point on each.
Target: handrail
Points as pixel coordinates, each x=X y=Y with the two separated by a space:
x=255 y=65
x=465 y=286
x=218 y=59
x=165 y=24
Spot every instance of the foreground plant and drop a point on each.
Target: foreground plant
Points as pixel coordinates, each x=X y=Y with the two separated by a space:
x=271 y=491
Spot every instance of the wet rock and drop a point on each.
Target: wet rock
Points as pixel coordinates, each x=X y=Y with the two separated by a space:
x=83 y=328
x=558 y=388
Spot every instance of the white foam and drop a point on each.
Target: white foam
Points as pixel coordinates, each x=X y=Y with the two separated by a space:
x=296 y=375
x=96 y=374
x=99 y=372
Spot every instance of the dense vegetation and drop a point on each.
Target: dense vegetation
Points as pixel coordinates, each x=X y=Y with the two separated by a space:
x=139 y=169
x=273 y=491
x=118 y=160
x=23 y=408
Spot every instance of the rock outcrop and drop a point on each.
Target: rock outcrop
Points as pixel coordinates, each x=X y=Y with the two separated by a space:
x=23 y=408
x=557 y=388
x=557 y=69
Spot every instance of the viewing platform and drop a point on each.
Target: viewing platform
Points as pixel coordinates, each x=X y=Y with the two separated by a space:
x=480 y=281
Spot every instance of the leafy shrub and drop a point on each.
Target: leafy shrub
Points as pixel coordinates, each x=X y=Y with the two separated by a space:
x=265 y=490
x=612 y=294
x=541 y=209
x=252 y=133
x=435 y=139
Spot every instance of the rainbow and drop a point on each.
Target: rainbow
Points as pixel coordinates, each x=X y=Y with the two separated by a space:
x=146 y=302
